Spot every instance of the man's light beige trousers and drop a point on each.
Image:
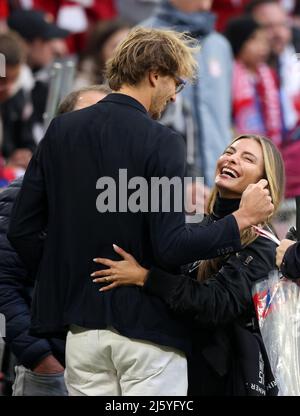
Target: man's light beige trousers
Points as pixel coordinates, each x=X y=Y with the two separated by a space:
x=105 y=363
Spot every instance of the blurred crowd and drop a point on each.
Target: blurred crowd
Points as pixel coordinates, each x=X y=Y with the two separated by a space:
x=248 y=81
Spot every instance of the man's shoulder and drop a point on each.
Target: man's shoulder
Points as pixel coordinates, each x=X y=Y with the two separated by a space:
x=165 y=134
x=156 y=134
x=74 y=120
x=134 y=122
x=79 y=115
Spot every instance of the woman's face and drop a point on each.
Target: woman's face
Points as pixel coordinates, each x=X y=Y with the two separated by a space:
x=255 y=50
x=240 y=165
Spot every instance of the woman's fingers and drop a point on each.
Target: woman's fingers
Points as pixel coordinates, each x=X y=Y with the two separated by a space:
x=123 y=253
x=106 y=272
x=107 y=279
x=106 y=262
x=104 y=279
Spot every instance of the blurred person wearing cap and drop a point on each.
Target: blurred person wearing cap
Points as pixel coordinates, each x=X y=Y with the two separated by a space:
x=255 y=94
x=39 y=361
x=41 y=36
x=16 y=138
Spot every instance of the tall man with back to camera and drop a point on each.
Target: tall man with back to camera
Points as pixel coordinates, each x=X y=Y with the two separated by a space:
x=39 y=361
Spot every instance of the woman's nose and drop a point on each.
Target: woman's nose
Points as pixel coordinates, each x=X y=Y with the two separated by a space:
x=233 y=158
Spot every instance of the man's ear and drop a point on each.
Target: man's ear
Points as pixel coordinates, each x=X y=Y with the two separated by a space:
x=153 y=78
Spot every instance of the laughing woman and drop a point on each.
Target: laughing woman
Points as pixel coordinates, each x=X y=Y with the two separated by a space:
x=229 y=357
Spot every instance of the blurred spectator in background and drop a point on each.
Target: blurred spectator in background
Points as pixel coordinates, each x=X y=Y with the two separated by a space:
x=3 y=9
x=202 y=114
x=226 y=10
x=102 y=42
x=272 y=15
x=40 y=35
x=40 y=361
x=80 y=16
x=255 y=95
x=3 y=15
x=295 y=15
x=97 y=9
x=134 y=11
x=76 y=16
x=16 y=137
x=82 y=98
x=292 y=8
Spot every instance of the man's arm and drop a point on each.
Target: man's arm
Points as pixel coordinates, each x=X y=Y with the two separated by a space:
x=29 y=215
x=290 y=265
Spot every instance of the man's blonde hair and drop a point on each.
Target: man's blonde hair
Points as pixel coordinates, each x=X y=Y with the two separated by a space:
x=165 y=51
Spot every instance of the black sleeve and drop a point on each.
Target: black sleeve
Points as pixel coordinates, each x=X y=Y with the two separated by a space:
x=173 y=241
x=15 y=292
x=28 y=350
x=220 y=299
x=29 y=215
x=290 y=266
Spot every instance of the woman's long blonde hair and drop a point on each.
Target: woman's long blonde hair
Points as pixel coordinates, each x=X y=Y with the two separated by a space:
x=274 y=174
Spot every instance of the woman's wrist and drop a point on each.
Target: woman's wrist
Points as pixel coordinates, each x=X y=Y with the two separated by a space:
x=143 y=275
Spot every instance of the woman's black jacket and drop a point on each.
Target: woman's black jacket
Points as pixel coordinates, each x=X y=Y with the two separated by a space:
x=226 y=336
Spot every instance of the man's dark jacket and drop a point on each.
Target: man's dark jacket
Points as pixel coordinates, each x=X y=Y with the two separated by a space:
x=59 y=192
x=290 y=266
x=16 y=293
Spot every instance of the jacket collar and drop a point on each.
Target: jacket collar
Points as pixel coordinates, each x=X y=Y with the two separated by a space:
x=125 y=100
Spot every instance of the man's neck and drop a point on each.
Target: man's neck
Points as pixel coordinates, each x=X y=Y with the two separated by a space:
x=139 y=94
